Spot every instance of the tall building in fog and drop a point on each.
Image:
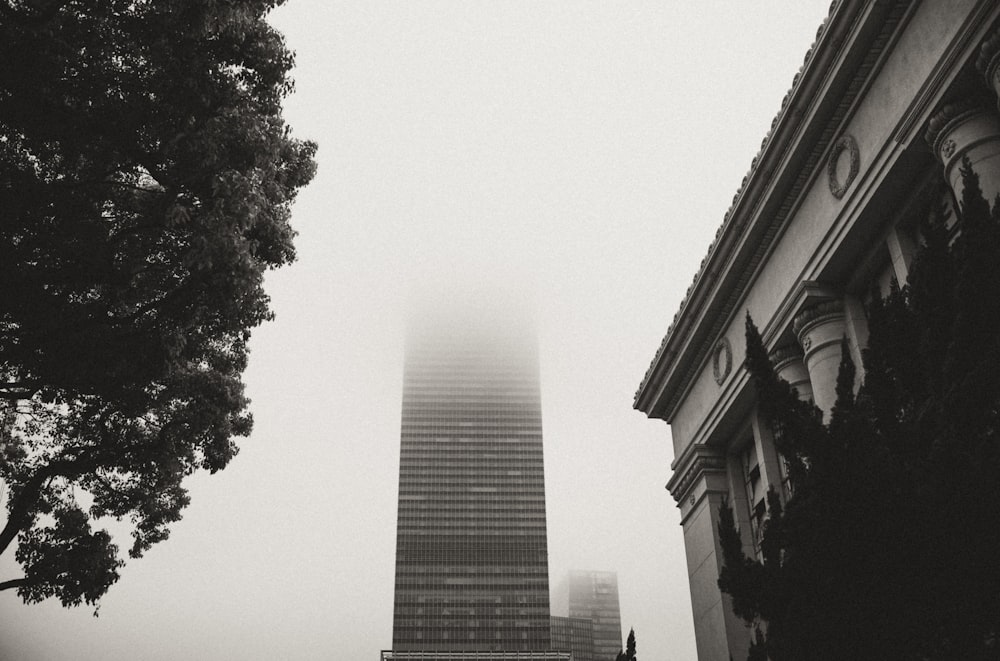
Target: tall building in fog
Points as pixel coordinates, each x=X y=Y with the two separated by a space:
x=575 y=634
x=593 y=595
x=471 y=552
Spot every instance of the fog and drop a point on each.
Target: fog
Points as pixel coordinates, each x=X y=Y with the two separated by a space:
x=574 y=156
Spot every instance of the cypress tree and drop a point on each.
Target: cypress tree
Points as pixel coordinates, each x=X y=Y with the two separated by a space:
x=629 y=653
x=886 y=549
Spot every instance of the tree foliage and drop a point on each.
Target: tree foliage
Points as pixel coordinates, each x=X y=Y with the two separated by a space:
x=887 y=547
x=628 y=654
x=146 y=179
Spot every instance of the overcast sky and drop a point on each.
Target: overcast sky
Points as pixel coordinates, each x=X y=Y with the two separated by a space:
x=581 y=153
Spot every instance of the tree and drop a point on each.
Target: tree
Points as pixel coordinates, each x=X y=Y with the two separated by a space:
x=887 y=547
x=146 y=178
x=629 y=653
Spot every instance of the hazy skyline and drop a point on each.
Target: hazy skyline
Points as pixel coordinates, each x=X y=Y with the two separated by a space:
x=471 y=543
x=583 y=153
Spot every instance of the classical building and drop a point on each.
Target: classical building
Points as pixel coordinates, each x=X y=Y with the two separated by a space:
x=471 y=556
x=890 y=99
x=593 y=595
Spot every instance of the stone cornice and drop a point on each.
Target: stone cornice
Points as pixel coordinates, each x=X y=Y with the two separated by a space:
x=676 y=327
x=848 y=48
x=695 y=462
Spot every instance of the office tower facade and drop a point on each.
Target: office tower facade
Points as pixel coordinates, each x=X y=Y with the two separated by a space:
x=593 y=595
x=471 y=552
x=575 y=634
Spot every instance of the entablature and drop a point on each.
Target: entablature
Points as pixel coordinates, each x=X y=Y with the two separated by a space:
x=800 y=148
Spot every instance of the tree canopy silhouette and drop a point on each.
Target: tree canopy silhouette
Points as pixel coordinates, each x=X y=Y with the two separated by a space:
x=146 y=178
x=628 y=654
x=887 y=547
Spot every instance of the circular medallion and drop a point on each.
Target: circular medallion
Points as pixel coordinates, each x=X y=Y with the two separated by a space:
x=722 y=360
x=844 y=143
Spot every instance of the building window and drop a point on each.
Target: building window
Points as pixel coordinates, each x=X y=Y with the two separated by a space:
x=786 y=480
x=756 y=491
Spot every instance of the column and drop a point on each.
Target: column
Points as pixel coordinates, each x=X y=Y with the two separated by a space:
x=789 y=365
x=902 y=248
x=856 y=327
x=967 y=128
x=699 y=484
x=820 y=330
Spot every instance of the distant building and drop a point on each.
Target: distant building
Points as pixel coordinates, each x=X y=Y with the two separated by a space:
x=472 y=576
x=868 y=141
x=593 y=595
x=575 y=634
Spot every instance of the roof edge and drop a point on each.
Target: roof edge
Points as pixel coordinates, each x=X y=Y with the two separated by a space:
x=830 y=38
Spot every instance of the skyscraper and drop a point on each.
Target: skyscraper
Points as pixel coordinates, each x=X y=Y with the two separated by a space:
x=575 y=634
x=594 y=595
x=471 y=551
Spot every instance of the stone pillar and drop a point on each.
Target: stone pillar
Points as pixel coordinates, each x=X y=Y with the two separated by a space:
x=820 y=330
x=856 y=325
x=789 y=365
x=699 y=484
x=967 y=129
x=902 y=249
x=771 y=461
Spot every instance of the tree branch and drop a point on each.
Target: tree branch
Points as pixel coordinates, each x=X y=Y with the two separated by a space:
x=13 y=583
x=81 y=183
x=27 y=495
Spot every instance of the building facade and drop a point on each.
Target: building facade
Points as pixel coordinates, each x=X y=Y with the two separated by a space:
x=890 y=99
x=471 y=553
x=593 y=595
x=575 y=634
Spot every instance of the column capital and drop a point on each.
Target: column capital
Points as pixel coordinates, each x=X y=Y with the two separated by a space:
x=820 y=330
x=817 y=314
x=943 y=135
x=988 y=60
x=697 y=461
x=967 y=128
x=789 y=364
x=783 y=355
